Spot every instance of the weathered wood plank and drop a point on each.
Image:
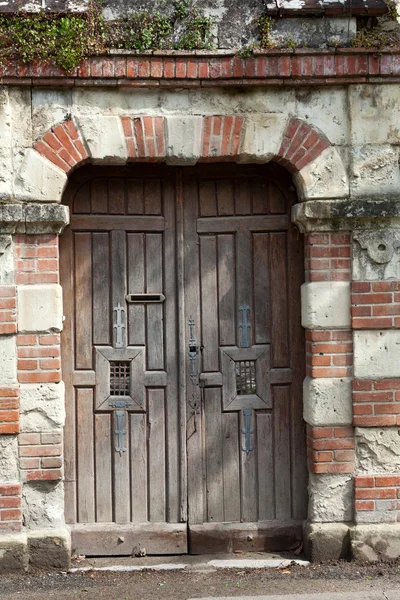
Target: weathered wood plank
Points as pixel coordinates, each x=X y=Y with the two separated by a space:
x=265 y=459
x=85 y=456
x=136 y=312
x=154 y=312
x=209 y=303
x=139 y=483
x=103 y=454
x=83 y=301
x=108 y=223
x=260 y=196
x=226 y=290
x=231 y=466
x=233 y=224
x=101 y=289
x=242 y=197
x=152 y=197
x=135 y=197
x=225 y=200
x=207 y=198
x=277 y=200
x=214 y=455
x=99 y=193
x=244 y=283
x=282 y=454
x=118 y=280
x=248 y=483
x=156 y=457
x=279 y=301
x=116 y=196
x=121 y=471
x=262 y=307
x=82 y=200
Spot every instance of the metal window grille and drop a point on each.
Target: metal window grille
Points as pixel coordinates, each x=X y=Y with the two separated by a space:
x=246 y=377
x=119 y=378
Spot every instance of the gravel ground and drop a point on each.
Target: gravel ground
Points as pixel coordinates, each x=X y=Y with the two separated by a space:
x=181 y=585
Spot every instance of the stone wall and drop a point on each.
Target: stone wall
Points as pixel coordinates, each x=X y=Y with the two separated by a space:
x=341 y=144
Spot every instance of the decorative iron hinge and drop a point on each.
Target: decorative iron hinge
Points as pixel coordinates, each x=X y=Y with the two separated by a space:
x=247 y=431
x=245 y=325
x=119 y=326
x=120 y=432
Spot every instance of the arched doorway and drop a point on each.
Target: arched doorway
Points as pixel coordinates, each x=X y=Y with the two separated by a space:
x=183 y=360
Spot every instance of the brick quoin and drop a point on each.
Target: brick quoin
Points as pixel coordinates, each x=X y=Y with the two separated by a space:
x=8 y=306
x=329 y=353
x=41 y=456
x=36 y=259
x=10 y=507
x=376 y=403
x=39 y=358
x=63 y=146
x=327 y=257
x=300 y=145
x=375 y=305
x=377 y=498
x=145 y=138
x=9 y=410
x=330 y=449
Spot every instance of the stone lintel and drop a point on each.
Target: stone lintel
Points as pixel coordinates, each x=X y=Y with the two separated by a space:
x=339 y=215
x=33 y=218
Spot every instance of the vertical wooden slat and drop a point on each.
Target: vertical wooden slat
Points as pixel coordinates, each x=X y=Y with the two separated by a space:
x=231 y=466
x=101 y=289
x=99 y=189
x=136 y=312
x=214 y=455
x=176 y=502
x=118 y=277
x=281 y=396
x=279 y=306
x=242 y=197
x=244 y=281
x=138 y=433
x=83 y=301
x=262 y=300
x=207 y=197
x=116 y=196
x=260 y=197
x=277 y=200
x=68 y=360
x=265 y=458
x=122 y=482
x=249 y=483
x=85 y=458
x=209 y=302
x=103 y=453
x=82 y=200
x=135 y=197
x=156 y=453
x=225 y=199
x=226 y=290
x=152 y=197
x=154 y=312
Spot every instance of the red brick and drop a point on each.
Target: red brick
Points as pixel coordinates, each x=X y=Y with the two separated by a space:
x=387 y=481
x=46 y=475
x=366 y=494
x=364 y=505
x=364 y=481
x=13 y=489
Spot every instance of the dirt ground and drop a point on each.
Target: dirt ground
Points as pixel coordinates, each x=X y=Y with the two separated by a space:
x=181 y=585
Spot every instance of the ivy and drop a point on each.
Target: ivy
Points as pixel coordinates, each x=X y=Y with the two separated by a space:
x=66 y=39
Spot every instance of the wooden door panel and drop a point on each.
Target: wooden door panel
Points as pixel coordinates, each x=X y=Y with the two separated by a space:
x=245 y=429
x=123 y=443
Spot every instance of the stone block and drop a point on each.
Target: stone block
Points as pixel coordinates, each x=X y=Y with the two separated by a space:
x=376 y=255
x=330 y=498
x=13 y=552
x=49 y=108
x=327 y=401
x=377 y=450
x=39 y=308
x=375 y=114
x=8 y=360
x=43 y=504
x=326 y=541
x=105 y=139
x=371 y=543
x=325 y=305
x=46 y=218
x=326 y=109
x=50 y=548
x=9 y=467
x=6 y=173
x=39 y=180
x=184 y=139
x=6 y=260
x=376 y=354
x=42 y=407
x=323 y=177
x=262 y=137
x=375 y=170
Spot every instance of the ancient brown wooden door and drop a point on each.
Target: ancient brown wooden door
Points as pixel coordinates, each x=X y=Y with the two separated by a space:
x=182 y=360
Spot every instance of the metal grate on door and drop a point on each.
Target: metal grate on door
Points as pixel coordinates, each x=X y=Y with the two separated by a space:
x=246 y=377
x=120 y=378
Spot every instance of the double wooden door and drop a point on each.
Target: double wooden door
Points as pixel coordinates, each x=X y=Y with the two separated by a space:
x=182 y=360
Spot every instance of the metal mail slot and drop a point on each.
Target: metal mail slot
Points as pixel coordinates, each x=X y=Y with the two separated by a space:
x=145 y=298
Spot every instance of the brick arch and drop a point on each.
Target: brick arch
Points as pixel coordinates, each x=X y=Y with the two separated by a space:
x=216 y=138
